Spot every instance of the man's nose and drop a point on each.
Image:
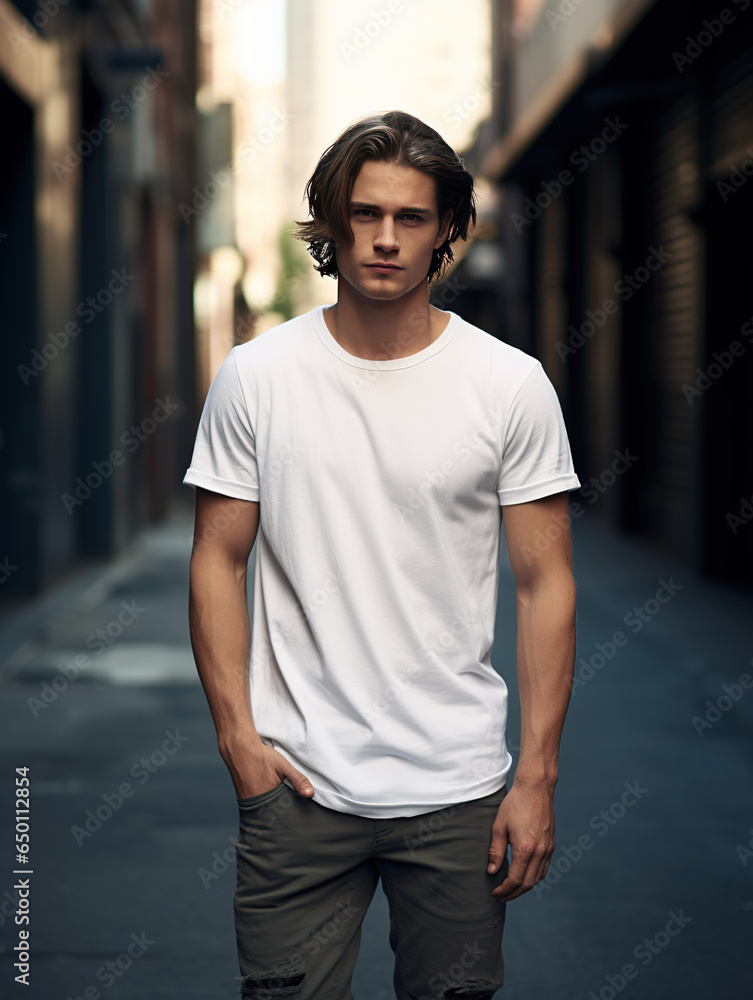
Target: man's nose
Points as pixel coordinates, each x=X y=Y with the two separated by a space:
x=386 y=235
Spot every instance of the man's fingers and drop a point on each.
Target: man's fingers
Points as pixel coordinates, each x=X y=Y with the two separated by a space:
x=543 y=868
x=301 y=783
x=544 y=861
x=512 y=888
x=497 y=851
x=519 y=864
x=522 y=874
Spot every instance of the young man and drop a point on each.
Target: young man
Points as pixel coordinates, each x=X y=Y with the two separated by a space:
x=377 y=444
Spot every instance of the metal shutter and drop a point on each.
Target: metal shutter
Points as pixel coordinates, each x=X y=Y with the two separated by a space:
x=674 y=332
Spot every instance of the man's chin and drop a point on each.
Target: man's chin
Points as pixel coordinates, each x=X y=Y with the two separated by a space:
x=377 y=291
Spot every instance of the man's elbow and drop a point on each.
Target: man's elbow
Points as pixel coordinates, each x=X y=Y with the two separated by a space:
x=553 y=583
x=212 y=562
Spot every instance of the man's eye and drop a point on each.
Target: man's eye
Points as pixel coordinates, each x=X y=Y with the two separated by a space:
x=364 y=211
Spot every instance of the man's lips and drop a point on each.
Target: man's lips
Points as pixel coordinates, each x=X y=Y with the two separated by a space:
x=385 y=266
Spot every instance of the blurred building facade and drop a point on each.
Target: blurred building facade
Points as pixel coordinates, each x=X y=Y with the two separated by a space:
x=237 y=204
x=621 y=147
x=97 y=103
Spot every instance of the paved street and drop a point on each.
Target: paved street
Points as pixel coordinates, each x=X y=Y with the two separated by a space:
x=650 y=894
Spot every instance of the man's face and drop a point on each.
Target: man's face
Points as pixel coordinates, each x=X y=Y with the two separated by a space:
x=395 y=223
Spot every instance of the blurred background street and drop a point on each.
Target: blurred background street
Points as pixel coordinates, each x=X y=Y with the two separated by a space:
x=153 y=163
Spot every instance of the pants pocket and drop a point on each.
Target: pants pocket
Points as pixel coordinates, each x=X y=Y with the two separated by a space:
x=255 y=800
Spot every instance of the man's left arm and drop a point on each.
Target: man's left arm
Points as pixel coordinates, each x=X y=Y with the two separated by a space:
x=539 y=545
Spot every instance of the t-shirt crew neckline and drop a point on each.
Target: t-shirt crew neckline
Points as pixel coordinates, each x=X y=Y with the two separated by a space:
x=372 y=364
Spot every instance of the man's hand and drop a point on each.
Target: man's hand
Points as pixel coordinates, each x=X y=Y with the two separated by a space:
x=525 y=821
x=259 y=768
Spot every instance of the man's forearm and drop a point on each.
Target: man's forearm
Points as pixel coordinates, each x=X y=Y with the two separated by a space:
x=221 y=641
x=546 y=660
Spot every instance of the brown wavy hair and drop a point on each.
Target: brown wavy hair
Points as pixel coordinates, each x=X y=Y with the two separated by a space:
x=392 y=137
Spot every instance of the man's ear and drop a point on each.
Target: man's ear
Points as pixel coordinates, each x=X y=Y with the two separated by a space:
x=444 y=230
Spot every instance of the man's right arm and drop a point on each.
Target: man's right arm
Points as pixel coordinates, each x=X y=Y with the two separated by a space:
x=224 y=534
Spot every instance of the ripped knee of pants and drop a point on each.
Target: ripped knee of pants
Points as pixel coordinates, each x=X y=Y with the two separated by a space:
x=271 y=987
x=472 y=989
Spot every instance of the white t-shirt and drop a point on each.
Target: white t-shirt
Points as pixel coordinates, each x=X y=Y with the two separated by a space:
x=375 y=584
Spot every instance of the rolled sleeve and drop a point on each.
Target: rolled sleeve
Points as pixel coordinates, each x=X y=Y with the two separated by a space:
x=224 y=455
x=536 y=458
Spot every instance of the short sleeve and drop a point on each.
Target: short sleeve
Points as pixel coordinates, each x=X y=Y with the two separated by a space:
x=536 y=458
x=224 y=455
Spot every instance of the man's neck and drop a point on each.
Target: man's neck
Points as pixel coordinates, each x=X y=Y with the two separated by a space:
x=382 y=330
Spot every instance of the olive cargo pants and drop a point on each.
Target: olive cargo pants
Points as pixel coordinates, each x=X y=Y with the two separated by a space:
x=307 y=874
